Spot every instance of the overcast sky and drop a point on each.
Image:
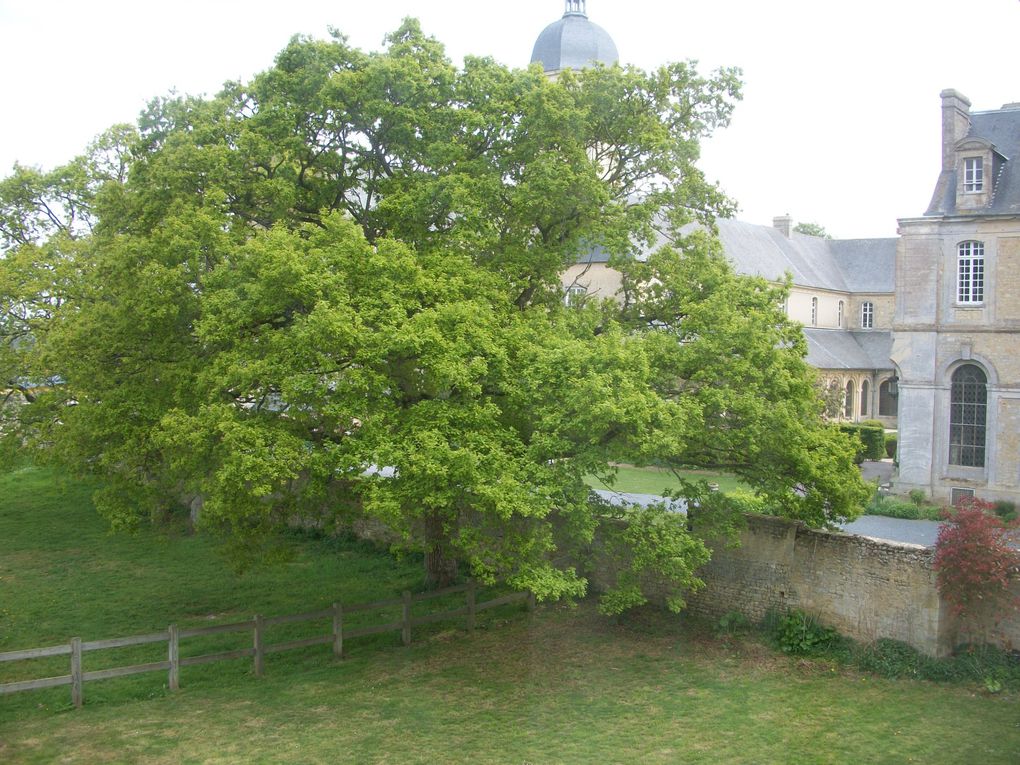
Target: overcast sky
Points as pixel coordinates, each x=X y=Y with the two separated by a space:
x=840 y=122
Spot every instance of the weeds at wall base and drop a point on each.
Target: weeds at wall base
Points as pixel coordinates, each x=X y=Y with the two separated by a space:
x=796 y=633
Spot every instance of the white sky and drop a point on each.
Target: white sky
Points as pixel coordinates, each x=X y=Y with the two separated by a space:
x=840 y=122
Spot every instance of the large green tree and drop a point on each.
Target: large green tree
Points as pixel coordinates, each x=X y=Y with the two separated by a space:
x=333 y=292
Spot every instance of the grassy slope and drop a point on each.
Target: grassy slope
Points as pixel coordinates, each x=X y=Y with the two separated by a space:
x=564 y=686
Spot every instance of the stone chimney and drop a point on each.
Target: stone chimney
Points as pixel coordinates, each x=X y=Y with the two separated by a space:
x=955 y=124
x=784 y=223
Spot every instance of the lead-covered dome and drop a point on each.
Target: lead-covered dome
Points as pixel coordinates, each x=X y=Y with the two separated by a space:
x=574 y=42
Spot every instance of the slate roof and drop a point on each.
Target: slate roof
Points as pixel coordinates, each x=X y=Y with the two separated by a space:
x=1002 y=129
x=844 y=265
x=842 y=349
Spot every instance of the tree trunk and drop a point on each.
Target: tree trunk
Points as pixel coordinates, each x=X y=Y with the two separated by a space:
x=440 y=565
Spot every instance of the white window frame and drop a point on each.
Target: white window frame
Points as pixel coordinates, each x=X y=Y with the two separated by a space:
x=973 y=175
x=867 y=315
x=574 y=295
x=839 y=315
x=970 y=273
x=814 y=312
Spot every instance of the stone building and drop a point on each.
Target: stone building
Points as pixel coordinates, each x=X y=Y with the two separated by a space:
x=956 y=328
x=921 y=332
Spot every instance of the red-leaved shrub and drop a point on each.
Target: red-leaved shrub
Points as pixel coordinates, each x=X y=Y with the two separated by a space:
x=974 y=560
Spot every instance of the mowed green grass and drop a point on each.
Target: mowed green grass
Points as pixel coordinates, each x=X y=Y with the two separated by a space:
x=561 y=686
x=653 y=480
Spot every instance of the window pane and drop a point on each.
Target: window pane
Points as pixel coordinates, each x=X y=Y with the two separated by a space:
x=968 y=409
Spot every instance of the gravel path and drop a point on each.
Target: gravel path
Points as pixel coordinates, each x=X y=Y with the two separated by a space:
x=875 y=526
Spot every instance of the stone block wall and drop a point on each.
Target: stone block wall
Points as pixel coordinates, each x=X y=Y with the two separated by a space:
x=867 y=589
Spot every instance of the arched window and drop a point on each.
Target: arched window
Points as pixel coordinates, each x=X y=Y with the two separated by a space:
x=968 y=411
x=814 y=312
x=839 y=315
x=867 y=314
x=865 y=395
x=970 y=272
x=848 y=400
x=887 y=398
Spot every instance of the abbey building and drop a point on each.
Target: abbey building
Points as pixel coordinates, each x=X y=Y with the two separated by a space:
x=921 y=332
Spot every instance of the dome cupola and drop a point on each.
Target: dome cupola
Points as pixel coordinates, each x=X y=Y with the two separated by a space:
x=574 y=42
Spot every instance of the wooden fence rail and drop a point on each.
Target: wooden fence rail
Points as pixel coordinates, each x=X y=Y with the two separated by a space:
x=257 y=625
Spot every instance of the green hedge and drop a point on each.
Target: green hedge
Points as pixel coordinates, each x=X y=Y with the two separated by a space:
x=891 y=441
x=872 y=440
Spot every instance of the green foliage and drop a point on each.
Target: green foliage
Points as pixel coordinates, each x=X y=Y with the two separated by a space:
x=647 y=549
x=796 y=632
x=812 y=229
x=1005 y=510
x=894 y=507
x=992 y=668
x=891 y=441
x=733 y=623
x=244 y=304
x=917 y=496
x=872 y=440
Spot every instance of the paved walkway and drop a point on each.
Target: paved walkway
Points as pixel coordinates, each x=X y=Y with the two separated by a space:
x=874 y=526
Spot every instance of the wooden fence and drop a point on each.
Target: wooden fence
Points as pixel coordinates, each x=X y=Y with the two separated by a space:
x=257 y=625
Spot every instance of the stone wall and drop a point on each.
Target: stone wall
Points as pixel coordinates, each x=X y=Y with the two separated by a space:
x=865 y=588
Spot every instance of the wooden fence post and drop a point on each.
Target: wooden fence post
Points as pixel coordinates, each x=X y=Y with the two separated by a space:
x=338 y=630
x=77 y=695
x=405 y=633
x=174 y=655
x=471 y=597
x=260 y=655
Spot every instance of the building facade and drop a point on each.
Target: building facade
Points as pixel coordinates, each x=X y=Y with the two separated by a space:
x=956 y=326
x=920 y=332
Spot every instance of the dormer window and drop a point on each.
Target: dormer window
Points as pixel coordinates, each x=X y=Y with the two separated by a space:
x=973 y=174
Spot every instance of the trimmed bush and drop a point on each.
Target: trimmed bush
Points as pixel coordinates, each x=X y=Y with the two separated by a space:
x=1005 y=509
x=894 y=507
x=872 y=440
x=891 y=441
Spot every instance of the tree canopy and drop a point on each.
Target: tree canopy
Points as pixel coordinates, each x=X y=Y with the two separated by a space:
x=812 y=229
x=252 y=304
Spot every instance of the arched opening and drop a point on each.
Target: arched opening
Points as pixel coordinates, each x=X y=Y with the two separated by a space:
x=865 y=395
x=848 y=400
x=968 y=416
x=887 y=393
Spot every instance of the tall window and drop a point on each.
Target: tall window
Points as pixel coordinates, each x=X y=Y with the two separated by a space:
x=970 y=272
x=867 y=314
x=839 y=315
x=887 y=398
x=575 y=295
x=865 y=395
x=973 y=174
x=848 y=400
x=814 y=312
x=968 y=405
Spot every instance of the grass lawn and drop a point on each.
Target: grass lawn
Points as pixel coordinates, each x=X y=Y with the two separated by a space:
x=561 y=686
x=653 y=480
